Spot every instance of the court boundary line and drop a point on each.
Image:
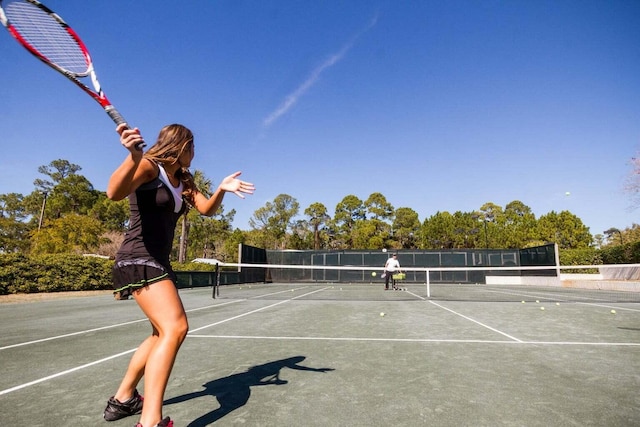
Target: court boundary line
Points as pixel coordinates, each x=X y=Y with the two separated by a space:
x=420 y=340
x=102 y=328
x=476 y=322
x=68 y=371
x=105 y=359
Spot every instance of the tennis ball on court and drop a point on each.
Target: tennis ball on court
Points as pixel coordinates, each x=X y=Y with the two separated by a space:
x=537 y=301
x=568 y=193
x=613 y=312
x=557 y=303
x=381 y=314
x=541 y=308
x=373 y=274
x=523 y=302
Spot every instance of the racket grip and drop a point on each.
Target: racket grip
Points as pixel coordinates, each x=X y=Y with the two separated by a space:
x=118 y=119
x=115 y=115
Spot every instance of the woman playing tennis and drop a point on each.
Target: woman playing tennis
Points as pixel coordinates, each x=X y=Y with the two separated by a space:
x=159 y=186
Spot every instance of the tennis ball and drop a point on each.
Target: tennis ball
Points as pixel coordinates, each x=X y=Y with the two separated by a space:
x=373 y=274
x=568 y=193
x=381 y=314
x=557 y=303
x=537 y=301
x=613 y=312
x=541 y=308
x=523 y=302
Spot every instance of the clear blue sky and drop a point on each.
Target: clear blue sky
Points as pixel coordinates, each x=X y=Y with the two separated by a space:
x=440 y=106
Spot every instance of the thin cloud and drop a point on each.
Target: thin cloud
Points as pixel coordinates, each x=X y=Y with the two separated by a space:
x=291 y=99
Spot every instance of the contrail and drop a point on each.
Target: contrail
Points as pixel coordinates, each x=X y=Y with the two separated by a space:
x=291 y=99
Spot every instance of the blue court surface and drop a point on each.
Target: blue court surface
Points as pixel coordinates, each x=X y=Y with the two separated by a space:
x=332 y=355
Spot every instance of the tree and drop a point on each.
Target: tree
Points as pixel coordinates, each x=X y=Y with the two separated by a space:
x=274 y=219
x=13 y=230
x=72 y=194
x=318 y=216
x=612 y=233
x=406 y=226
x=57 y=170
x=365 y=235
x=348 y=211
x=519 y=227
x=207 y=235
x=72 y=233
x=378 y=207
x=564 y=228
x=114 y=216
x=437 y=231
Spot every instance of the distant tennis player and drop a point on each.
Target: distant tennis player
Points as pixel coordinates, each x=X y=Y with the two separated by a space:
x=390 y=268
x=159 y=186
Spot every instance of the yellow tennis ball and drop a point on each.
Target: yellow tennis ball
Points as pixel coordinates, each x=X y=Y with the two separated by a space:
x=381 y=314
x=523 y=302
x=373 y=274
x=541 y=308
x=613 y=312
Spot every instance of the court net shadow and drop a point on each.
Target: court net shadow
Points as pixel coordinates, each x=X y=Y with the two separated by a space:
x=233 y=392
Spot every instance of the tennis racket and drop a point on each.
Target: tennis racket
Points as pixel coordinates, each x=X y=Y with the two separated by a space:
x=50 y=39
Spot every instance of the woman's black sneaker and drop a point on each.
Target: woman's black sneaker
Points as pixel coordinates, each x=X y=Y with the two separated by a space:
x=116 y=410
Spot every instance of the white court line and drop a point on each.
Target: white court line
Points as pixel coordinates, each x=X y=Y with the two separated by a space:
x=86 y=331
x=420 y=340
x=68 y=371
x=617 y=307
x=476 y=322
x=416 y=295
x=70 y=334
x=255 y=311
x=96 y=362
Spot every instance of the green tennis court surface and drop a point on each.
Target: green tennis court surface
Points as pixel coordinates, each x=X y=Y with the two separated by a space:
x=324 y=355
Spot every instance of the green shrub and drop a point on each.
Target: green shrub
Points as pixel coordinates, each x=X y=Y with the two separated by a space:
x=53 y=273
x=628 y=253
x=586 y=256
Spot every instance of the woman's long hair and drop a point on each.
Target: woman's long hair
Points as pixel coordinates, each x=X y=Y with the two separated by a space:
x=172 y=141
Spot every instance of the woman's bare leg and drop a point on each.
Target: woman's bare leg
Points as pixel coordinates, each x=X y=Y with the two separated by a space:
x=162 y=305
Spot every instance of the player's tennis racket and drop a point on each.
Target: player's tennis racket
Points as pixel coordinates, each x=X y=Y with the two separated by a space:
x=50 y=39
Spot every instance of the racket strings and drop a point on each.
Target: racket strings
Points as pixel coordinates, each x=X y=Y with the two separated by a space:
x=48 y=36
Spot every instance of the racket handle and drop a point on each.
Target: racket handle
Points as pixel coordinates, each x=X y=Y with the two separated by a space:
x=115 y=115
x=118 y=119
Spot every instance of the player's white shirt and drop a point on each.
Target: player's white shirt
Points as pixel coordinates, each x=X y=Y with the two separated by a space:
x=392 y=265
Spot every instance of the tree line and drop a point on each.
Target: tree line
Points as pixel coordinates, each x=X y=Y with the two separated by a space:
x=66 y=214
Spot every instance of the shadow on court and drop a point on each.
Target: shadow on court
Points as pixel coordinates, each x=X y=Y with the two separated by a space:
x=233 y=392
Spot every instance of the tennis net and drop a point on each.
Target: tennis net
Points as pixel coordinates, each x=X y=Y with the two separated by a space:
x=586 y=283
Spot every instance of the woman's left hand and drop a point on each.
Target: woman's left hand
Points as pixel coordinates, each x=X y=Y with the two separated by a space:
x=232 y=184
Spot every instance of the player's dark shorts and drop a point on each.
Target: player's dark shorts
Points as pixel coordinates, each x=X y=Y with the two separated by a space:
x=130 y=275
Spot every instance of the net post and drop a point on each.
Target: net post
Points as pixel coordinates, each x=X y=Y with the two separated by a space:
x=556 y=251
x=216 y=281
x=428 y=285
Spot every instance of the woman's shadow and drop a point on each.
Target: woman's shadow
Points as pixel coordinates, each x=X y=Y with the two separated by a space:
x=233 y=392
